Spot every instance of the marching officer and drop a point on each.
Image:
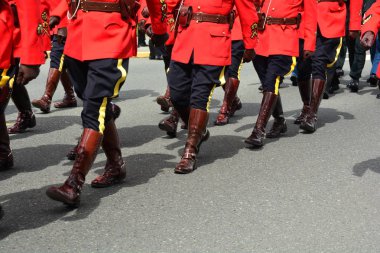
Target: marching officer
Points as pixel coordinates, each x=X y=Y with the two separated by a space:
x=231 y=102
x=98 y=63
x=21 y=54
x=331 y=16
x=57 y=70
x=198 y=65
x=276 y=51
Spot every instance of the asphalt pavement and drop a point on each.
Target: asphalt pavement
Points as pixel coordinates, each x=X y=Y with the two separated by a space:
x=299 y=193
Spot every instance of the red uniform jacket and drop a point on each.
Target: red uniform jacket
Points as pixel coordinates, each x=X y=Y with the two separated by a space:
x=100 y=35
x=332 y=18
x=284 y=39
x=236 y=32
x=46 y=6
x=371 y=22
x=23 y=42
x=210 y=43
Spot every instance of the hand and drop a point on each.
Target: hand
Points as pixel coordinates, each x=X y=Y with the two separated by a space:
x=149 y=31
x=61 y=35
x=141 y=24
x=368 y=39
x=27 y=73
x=159 y=39
x=353 y=34
x=53 y=21
x=307 y=54
x=145 y=12
x=249 y=55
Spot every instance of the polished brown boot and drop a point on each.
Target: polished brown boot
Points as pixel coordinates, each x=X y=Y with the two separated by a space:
x=228 y=107
x=310 y=122
x=69 y=192
x=164 y=101
x=51 y=85
x=25 y=120
x=169 y=124
x=279 y=125
x=256 y=139
x=114 y=171
x=304 y=87
x=115 y=110
x=69 y=99
x=197 y=133
x=6 y=157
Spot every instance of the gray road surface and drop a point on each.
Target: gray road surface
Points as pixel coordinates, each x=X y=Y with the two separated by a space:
x=300 y=193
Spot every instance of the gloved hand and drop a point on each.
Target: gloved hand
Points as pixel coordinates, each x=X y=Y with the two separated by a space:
x=368 y=39
x=249 y=55
x=149 y=31
x=307 y=54
x=159 y=39
x=61 y=35
x=53 y=21
x=27 y=73
x=141 y=25
x=145 y=12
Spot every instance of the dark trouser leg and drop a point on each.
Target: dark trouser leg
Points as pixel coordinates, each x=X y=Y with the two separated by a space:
x=164 y=100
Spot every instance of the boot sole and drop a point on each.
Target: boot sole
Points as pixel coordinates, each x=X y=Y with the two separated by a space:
x=115 y=182
x=182 y=172
x=67 y=106
x=42 y=109
x=308 y=128
x=165 y=106
x=59 y=198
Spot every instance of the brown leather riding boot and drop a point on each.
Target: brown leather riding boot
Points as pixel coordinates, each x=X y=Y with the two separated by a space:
x=310 y=122
x=304 y=87
x=279 y=125
x=6 y=157
x=114 y=171
x=25 y=120
x=115 y=110
x=69 y=99
x=197 y=133
x=228 y=110
x=69 y=192
x=170 y=123
x=256 y=139
x=51 y=85
x=164 y=101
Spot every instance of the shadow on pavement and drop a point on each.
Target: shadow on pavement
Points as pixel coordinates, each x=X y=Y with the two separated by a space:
x=32 y=209
x=371 y=164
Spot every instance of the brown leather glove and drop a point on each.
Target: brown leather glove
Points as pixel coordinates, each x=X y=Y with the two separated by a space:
x=353 y=34
x=145 y=12
x=307 y=54
x=249 y=55
x=27 y=73
x=53 y=21
x=141 y=25
x=368 y=39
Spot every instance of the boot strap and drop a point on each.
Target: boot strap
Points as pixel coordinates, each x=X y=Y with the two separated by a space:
x=189 y=155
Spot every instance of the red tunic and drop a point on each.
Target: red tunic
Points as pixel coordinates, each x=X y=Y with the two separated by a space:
x=100 y=35
x=371 y=23
x=284 y=39
x=332 y=18
x=210 y=43
x=25 y=43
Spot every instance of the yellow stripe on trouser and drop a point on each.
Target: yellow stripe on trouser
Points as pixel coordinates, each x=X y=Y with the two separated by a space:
x=239 y=69
x=4 y=78
x=61 y=63
x=337 y=53
x=121 y=79
x=102 y=115
x=209 y=98
x=277 y=85
x=222 y=79
x=294 y=63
